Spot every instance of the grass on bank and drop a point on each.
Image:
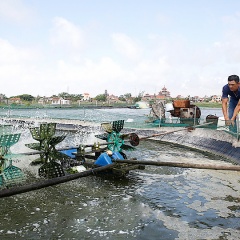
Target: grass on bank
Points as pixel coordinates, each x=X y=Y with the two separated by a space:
x=209 y=104
x=94 y=105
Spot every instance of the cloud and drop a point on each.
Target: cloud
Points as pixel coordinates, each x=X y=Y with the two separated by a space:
x=92 y=77
x=163 y=20
x=65 y=34
x=126 y=46
x=18 y=68
x=10 y=54
x=147 y=63
x=15 y=11
x=229 y=45
x=231 y=20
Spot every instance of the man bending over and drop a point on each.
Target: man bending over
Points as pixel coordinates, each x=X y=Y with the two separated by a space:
x=232 y=90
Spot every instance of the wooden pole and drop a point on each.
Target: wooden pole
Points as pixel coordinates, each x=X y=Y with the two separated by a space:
x=181 y=165
x=178 y=130
x=51 y=182
x=165 y=133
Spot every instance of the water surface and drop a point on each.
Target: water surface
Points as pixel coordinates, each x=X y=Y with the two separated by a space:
x=155 y=203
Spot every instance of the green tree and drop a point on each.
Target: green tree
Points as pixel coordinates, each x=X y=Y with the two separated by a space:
x=122 y=98
x=127 y=95
x=3 y=96
x=64 y=95
x=139 y=97
x=75 y=97
x=101 y=97
x=26 y=97
x=72 y=97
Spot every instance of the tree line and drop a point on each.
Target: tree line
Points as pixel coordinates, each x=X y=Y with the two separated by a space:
x=75 y=97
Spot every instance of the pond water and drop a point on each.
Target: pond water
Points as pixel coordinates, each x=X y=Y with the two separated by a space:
x=155 y=203
x=132 y=117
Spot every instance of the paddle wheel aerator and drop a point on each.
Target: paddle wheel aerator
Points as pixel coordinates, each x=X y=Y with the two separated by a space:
x=49 y=156
x=116 y=142
x=9 y=174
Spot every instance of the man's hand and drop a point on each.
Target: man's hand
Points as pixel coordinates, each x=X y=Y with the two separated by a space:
x=229 y=122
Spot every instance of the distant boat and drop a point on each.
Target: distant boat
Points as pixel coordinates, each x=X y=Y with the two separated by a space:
x=141 y=105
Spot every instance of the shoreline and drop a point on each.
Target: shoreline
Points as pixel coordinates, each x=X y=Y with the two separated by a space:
x=65 y=107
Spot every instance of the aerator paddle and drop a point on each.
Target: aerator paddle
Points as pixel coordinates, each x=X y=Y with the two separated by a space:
x=49 y=156
x=115 y=140
x=9 y=174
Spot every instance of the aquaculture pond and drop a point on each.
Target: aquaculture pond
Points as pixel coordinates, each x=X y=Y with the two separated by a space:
x=155 y=203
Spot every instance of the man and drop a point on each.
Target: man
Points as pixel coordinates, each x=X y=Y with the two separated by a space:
x=231 y=89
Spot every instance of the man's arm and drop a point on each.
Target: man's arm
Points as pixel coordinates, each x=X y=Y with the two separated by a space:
x=224 y=108
x=236 y=111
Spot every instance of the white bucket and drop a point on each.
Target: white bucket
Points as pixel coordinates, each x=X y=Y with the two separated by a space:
x=221 y=122
x=169 y=107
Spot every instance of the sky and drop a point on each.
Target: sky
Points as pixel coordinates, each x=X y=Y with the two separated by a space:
x=123 y=46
